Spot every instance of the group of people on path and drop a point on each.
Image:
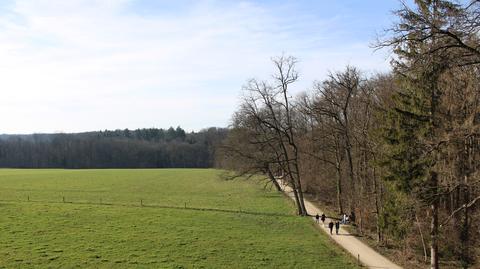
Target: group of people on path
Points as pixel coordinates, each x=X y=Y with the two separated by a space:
x=348 y=218
x=330 y=225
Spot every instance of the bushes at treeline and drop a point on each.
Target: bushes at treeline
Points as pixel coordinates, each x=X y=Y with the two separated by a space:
x=141 y=148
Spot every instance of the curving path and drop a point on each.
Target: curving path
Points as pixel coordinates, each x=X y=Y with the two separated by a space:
x=368 y=256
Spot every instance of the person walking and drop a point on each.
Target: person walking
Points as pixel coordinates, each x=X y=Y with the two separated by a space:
x=330 y=226
x=317 y=218
x=337 y=227
x=323 y=218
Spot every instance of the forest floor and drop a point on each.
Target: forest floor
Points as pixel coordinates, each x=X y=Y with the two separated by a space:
x=358 y=249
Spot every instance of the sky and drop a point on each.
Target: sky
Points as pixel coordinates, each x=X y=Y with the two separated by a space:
x=84 y=65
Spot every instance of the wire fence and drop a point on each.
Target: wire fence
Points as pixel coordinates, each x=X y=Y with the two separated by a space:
x=141 y=203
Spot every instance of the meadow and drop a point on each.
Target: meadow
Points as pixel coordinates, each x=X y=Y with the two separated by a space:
x=152 y=218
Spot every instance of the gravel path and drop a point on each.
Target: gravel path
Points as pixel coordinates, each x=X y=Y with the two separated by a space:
x=368 y=256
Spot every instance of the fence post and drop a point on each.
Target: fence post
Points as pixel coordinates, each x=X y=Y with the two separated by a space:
x=28 y=198
x=141 y=202
x=358 y=259
x=185 y=204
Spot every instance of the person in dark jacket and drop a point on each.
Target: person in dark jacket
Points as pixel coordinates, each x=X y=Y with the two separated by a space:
x=317 y=218
x=337 y=227
x=323 y=217
x=330 y=226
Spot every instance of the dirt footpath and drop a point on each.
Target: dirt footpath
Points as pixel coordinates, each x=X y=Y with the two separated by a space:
x=368 y=256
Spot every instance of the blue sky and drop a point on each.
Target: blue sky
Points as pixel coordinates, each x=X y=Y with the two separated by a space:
x=69 y=66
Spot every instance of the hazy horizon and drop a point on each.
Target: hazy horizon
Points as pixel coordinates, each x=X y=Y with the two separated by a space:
x=81 y=66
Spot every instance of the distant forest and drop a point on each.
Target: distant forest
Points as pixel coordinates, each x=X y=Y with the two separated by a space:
x=141 y=148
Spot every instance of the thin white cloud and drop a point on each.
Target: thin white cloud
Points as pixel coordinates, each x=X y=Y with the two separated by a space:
x=86 y=65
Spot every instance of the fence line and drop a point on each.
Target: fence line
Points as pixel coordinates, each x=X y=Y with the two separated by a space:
x=142 y=204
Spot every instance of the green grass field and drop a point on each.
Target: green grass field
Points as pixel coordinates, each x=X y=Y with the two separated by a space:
x=101 y=224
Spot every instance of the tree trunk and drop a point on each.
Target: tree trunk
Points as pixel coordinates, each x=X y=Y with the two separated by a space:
x=464 y=236
x=434 y=222
x=299 y=186
x=297 y=199
x=338 y=169
x=377 y=206
x=425 y=256
x=302 y=201
x=339 y=189
x=273 y=180
x=464 y=233
x=348 y=150
x=352 y=177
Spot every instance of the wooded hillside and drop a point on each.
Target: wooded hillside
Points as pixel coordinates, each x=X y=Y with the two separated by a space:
x=400 y=151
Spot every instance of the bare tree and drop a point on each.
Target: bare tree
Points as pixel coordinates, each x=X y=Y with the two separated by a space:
x=249 y=152
x=334 y=103
x=267 y=112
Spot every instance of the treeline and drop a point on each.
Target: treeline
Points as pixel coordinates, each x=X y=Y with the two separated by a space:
x=400 y=150
x=141 y=148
